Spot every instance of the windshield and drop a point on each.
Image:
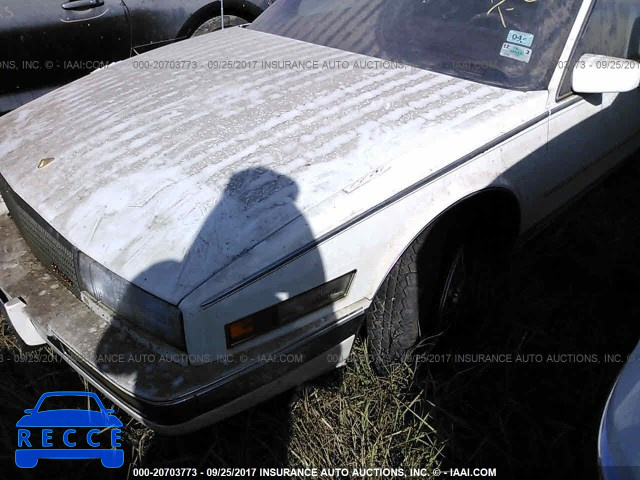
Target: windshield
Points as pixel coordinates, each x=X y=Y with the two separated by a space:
x=510 y=43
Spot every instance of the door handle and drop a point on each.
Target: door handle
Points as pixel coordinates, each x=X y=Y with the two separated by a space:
x=82 y=4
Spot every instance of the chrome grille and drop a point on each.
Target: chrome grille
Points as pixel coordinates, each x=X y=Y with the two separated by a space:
x=49 y=250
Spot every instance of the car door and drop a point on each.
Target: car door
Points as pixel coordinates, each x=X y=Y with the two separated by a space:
x=585 y=131
x=47 y=43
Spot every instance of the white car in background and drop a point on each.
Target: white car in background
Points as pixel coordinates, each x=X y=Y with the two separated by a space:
x=204 y=226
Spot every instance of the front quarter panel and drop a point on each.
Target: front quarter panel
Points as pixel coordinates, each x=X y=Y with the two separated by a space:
x=366 y=226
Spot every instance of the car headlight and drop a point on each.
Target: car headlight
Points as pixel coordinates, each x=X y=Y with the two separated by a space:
x=131 y=303
x=287 y=311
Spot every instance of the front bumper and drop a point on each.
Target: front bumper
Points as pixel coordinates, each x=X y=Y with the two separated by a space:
x=166 y=395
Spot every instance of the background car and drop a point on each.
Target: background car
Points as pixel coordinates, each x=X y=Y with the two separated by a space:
x=44 y=45
x=618 y=452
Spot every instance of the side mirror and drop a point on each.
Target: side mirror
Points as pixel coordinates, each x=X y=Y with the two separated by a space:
x=29 y=411
x=602 y=74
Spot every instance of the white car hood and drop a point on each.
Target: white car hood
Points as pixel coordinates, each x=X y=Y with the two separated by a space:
x=144 y=152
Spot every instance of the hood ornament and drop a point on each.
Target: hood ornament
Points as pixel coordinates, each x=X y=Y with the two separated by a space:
x=45 y=161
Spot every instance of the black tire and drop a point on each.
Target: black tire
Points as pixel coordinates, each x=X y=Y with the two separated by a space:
x=215 y=23
x=408 y=301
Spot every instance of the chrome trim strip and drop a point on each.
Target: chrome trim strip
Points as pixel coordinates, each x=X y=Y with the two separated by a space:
x=569 y=103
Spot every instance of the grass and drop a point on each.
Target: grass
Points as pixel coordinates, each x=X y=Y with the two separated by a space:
x=572 y=289
x=360 y=420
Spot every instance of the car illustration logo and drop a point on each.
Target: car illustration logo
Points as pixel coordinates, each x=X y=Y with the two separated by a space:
x=69 y=425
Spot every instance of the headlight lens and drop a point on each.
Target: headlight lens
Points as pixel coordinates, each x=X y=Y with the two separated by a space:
x=131 y=303
x=288 y=311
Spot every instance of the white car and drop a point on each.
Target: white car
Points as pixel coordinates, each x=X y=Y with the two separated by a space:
x=203 y=226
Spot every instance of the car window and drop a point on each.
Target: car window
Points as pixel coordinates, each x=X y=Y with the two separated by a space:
x=509 y=43
x=68 y=402
x=612 y=29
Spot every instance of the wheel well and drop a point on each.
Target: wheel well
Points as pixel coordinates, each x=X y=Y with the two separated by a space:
x=243 y=10
x=491 y=217
x=487 y=222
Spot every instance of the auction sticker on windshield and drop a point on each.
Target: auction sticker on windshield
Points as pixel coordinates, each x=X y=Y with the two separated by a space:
x=516 y=52
x=521 y=38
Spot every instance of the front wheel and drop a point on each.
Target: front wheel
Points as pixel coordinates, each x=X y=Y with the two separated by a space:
x=215 y=23
x=424 y=289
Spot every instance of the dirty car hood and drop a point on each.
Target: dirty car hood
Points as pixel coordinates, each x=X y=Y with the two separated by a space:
x=185 y=166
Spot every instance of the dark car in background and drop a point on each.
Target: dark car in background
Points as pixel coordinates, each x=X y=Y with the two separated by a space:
x=44 y=45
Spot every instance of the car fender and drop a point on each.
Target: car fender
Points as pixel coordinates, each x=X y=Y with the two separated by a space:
x=241 y=8
x=158 y=22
